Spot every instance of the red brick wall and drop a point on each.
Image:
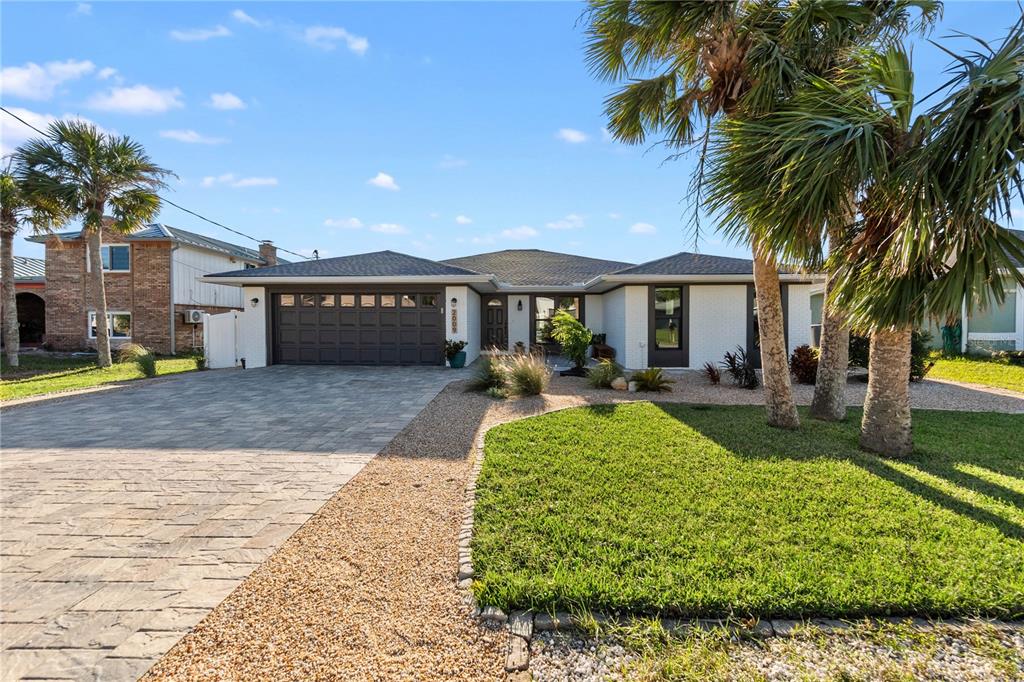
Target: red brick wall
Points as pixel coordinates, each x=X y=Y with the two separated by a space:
x=144 y=292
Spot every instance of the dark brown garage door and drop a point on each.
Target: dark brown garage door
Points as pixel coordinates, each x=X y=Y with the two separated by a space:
x=359 y=328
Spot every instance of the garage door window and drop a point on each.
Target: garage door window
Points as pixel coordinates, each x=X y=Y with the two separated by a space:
x=428 y=301
x=408 y=301
x=326 y=300
x=367 y=301
x=347 y=300
x=288 y=299
x=308 y=300
x=387 y=300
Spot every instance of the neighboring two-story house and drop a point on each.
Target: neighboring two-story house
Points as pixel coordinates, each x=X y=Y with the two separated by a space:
x=153 y=281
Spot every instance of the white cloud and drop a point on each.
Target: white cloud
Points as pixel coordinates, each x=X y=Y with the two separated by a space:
x=448 y=162
x=36 y=82
x=106 y=73
x=569 y=222
x=614 y=216
x=389 y=228
x=14 y=133
x=191 y=137
x=233 y=181
x=642 y=228
x=571 y=135
x=241 y=17
x=384 y=181
x=344 y=223
x=463 y=220
x=191 y=35
x=521 y=232
x=137 y=99
x=328 y=37
x=83 y=9
x=226 y=101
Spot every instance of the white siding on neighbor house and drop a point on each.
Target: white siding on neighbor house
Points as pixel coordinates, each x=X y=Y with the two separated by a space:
x=798 y=311
x=613 y=314
x=718 y=321
x=518 y=321
x=593 y=311
x=189 y=265
x=252 y=328
x=473 y=313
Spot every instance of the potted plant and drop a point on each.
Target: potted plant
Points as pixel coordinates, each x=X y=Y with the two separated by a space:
x=574 y=339
x=453 y=350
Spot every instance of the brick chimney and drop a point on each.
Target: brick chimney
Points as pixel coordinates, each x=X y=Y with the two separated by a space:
x=269 y=252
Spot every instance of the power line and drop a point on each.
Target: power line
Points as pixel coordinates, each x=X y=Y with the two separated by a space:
x=164 y=199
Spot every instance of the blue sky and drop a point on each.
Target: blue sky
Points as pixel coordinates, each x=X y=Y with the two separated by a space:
x=437 y=129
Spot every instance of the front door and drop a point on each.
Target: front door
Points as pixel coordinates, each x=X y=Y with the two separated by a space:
x=495 y=319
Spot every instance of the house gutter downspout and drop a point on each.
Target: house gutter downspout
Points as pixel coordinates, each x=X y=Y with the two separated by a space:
x=171 y=300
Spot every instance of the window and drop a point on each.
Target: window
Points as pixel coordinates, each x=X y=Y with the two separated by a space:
x=428 y=301
x=326 y=300
x=115 y=257
x=288 y=299
x=546 y=307
x=347 y=300
x=308 y=300
x=119 y=325
x=250 y=266
x=668 y=318
x=817 y=303
x=408 y=301
x=367 y=301
x=494 y=303
x=996 y=318
x=387 y=300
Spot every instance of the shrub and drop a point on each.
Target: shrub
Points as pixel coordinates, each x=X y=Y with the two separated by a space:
x=712 y=373
x=495 y=392
x=920 y=350
x=527 y=374
x=804 y=364
x=140 y=355
x=490 y=374
x=652 y=379
x=740 y=369
x=147 y=364
x=860 y=348
x=201 y=364
x=604 y=373
x=1010 y=357
x=572 y=336
x=452 y=348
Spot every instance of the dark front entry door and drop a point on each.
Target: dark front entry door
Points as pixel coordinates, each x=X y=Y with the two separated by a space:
x=358 y=328
x=495 y=319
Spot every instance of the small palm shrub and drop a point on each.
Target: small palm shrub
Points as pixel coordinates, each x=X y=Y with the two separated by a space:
x=741 y=370
x=604 y=373
x=804 y=364
x=490 y=374
x=712 y=373
x=140 y=355
x=527 y=374
x=572 y=336
x=652 y=379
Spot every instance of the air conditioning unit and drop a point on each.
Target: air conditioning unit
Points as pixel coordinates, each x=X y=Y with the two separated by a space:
x=193 y=317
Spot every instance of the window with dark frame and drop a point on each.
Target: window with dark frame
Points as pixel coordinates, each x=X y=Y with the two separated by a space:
x=668 y=318
x=116 y=257
x=308 y=300
x=546 y=307
x=408 y=301
x=428 y=300
x=326 y=300
x=387 y=301
x=368 y=301
x=347 y=300
x=288 y=300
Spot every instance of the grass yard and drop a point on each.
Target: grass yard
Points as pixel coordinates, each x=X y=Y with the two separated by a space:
x=39 y=375
x=976 y=371
x=706 y=511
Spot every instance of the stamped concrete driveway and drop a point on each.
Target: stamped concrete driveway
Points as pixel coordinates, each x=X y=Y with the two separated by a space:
x=126 y=516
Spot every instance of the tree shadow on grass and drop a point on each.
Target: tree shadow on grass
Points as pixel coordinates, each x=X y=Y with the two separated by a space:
x=943 y=443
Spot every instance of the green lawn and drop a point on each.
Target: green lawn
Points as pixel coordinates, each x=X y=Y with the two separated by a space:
x=699 y=510
x=39 y=375
x=975 y=371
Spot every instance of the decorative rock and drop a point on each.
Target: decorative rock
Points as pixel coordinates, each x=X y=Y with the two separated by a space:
x=465 y=584
x=465 y=571
x=494 y=615
x=762 y=628
x=620 y=384
x=546 y=621
x=632 y=386
x=518 y=654
x=520 y=623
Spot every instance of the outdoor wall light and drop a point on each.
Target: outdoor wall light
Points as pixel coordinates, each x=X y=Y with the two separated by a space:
x=455 y=301
x=254 y=302
x=519 y=306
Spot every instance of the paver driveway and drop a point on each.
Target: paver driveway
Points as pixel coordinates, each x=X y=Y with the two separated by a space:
x=126 y=516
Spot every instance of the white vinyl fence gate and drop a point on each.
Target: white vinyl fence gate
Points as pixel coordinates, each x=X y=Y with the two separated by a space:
x=220 y=339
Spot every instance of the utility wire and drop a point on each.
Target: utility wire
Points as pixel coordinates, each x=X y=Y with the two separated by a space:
x=164 y=199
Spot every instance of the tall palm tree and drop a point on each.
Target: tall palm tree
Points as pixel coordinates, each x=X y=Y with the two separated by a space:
x=930 y=194
x=18 y=208
x=92 y=174
x=690 y=63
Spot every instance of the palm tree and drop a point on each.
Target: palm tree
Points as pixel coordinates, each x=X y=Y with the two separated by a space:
x=17 y=209
x=92 y=173
x=930 y=193
x=691 y=63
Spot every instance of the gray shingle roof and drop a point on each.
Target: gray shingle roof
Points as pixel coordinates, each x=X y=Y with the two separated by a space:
x=376 y=264
x=685 y=263
x=175 y=234
x=29 y=269
x=531 y=267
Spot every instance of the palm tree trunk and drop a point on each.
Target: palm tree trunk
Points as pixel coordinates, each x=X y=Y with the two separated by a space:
x=778 y=391
x=99 y=295
x=12 y=339
x=829 y=402
x=886 y=427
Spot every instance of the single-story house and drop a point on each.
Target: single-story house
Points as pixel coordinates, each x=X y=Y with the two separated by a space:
x=390 y=308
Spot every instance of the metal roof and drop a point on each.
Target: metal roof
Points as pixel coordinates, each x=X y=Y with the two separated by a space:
x=29 y=269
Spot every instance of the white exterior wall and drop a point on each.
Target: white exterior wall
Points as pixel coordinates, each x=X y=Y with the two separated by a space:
x=518 y=321
x=613 y=316
x=798 y=324
x=594 y=313
x=189 y=265
x=467 y=319
x=718 y=321
x=252 y=328
x=473 y=325
x=637 y=308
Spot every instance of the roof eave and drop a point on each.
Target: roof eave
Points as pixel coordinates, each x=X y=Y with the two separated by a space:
x=725 y=278
x=259 y=280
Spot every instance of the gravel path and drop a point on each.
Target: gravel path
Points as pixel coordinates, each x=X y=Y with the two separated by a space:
x=366 y=588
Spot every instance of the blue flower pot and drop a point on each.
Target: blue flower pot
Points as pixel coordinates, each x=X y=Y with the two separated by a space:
x=458 y=361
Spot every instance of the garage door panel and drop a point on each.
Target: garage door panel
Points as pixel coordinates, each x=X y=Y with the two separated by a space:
x=346 y=335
